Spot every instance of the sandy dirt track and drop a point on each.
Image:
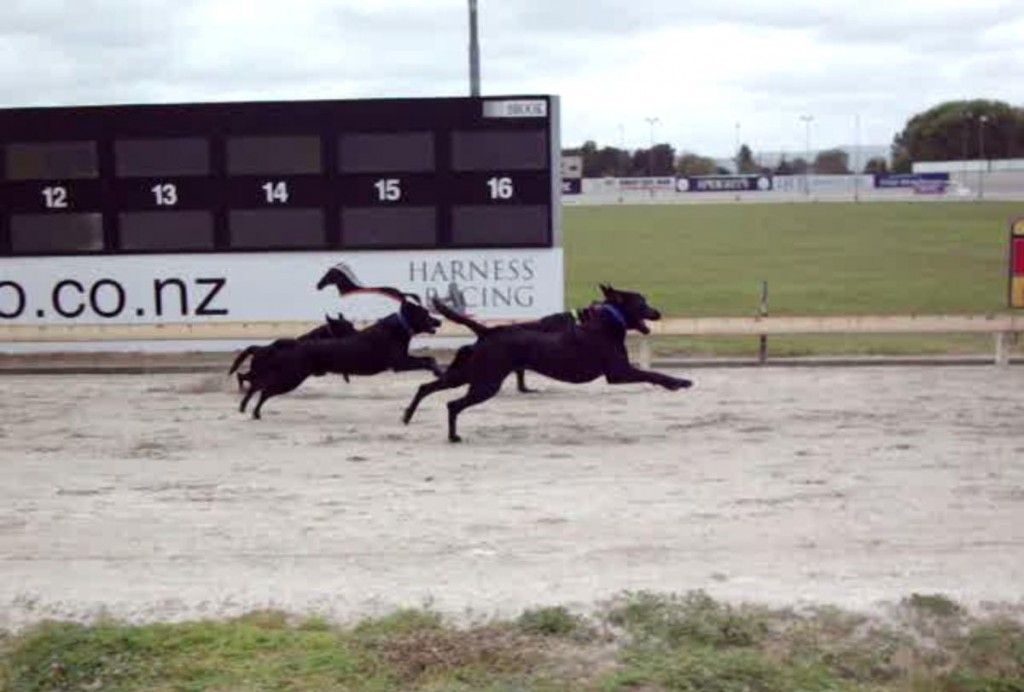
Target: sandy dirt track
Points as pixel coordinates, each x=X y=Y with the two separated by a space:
x=150 y=497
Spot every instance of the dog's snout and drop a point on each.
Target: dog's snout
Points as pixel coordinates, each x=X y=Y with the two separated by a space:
x=652 y=314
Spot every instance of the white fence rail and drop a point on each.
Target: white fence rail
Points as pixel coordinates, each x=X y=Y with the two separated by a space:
x=1000 y=326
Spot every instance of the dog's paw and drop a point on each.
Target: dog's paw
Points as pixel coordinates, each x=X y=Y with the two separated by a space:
x=454 y=438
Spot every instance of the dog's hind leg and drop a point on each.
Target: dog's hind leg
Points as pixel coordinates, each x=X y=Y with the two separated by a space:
x=426 y=390
x=479 y=392
x=245 y=399
x=259 y=404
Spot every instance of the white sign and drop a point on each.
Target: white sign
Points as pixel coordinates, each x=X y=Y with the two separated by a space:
x=498 y=284
x=572 y=166
x=522 y=108
x=662 y=184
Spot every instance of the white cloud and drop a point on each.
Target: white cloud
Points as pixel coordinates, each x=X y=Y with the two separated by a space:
x=699 y=67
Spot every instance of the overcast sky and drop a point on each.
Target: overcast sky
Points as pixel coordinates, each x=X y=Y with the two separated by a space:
x=699 y=67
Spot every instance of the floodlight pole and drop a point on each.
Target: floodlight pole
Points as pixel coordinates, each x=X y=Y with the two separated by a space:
x=807 y=144
x=966 y=134
x=650 y=152
x=622 y=160
x=982 y=119
x=737 y=159
x=856 y=157
x=474 y=52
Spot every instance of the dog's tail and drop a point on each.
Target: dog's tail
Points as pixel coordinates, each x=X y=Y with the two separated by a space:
x=478 y=329
x=240 y=358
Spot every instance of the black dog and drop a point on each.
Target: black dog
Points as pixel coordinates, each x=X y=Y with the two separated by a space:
x=551 y=324
x=341 y=277
x=596 y=347
x=382 y=346
x=334 y=328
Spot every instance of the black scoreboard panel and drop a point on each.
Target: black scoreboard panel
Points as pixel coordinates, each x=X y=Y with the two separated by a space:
x=298 y=175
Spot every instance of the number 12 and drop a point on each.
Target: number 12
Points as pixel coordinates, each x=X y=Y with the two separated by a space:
x=55 y=197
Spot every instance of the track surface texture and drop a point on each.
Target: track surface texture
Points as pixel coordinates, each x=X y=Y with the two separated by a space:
x=149 y=497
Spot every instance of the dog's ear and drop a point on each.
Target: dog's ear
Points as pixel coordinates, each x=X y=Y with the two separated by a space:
x=341 y=277
x=609 y=292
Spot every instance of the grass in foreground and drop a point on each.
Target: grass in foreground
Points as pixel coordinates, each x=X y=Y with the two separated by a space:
x=639 y=641
x=818 y=259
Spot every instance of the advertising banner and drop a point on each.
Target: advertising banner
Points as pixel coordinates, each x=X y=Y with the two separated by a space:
x=725 y=183
x=909 y=180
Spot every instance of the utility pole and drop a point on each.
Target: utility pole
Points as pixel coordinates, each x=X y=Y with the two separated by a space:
x=474 y=52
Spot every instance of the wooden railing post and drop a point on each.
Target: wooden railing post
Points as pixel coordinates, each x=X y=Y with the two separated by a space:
x=644 y=352
x=1002 y=348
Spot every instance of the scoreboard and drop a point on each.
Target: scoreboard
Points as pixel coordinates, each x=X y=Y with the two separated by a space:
x=115 y=213
x=223 y=177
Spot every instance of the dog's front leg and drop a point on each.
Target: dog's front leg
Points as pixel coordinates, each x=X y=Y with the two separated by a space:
x=626 y=373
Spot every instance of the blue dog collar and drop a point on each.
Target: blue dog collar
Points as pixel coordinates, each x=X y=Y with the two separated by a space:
x=401 y=321
x=615 y=313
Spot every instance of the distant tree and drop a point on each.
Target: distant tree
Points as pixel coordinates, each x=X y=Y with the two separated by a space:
x=901 y=162
x=956 y=130
x=876 y=165
x=656 y=161
x=601 y=163
x=611 y=162
x=832 y=162
x=798 y=166
x=690 y=165
x=784 y=167
x=745 y=160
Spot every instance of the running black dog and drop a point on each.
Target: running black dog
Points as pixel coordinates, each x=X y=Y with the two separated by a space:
x=382 y=346
x=334 y=328
x=552 y=324
x=596 y=347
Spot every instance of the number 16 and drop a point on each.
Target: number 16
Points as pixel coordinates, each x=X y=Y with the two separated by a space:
x=501 y=188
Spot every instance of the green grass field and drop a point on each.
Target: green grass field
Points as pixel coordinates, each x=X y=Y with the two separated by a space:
x=818 y=259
